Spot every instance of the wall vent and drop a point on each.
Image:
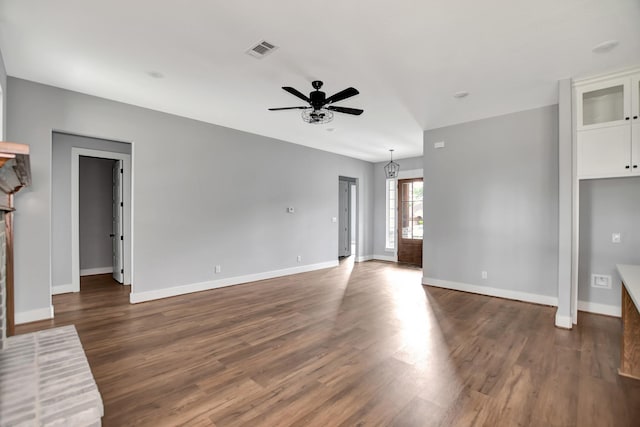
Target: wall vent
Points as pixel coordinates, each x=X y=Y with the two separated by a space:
x=261 y=49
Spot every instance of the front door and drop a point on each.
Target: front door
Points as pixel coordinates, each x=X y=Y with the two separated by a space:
x=117 y=233
x=410 y=221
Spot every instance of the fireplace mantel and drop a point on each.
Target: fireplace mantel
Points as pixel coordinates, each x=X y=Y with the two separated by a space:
x=15 y=171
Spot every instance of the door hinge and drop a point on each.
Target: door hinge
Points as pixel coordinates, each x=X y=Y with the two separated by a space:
x=121 y=204
x=122 y=270
x=121 y=237
x=121 y=170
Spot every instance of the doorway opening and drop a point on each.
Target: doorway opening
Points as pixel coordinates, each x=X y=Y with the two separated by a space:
x=347 y=217
x=101 y=219
x=91 y=227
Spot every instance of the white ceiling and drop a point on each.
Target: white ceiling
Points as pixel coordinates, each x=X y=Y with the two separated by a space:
x=407 y=58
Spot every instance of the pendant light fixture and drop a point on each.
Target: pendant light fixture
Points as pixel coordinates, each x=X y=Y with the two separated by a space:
x=392 y=168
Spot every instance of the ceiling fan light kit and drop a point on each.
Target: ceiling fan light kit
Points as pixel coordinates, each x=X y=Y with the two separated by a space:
x=317 y=117
x=320 y=109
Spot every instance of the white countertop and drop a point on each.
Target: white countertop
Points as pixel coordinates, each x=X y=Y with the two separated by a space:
x=631 y=277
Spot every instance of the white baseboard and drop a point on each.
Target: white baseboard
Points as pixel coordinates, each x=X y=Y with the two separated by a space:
x=34 y=315
x=391 y=258
x=62 y=289
x=593 y=307
x=136 y=297
x=99 y=270
x=563 y=322
x=493 y=292
x=364 y=258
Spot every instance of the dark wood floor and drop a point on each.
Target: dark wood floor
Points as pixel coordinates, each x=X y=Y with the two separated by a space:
x=349 y=346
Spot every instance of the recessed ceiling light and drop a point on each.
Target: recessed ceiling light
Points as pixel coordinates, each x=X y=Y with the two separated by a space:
x=461 y=94
x=605 y=47
x=156 y=74
x=330 y=129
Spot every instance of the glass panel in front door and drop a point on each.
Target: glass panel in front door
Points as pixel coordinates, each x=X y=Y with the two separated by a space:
x=412 y=210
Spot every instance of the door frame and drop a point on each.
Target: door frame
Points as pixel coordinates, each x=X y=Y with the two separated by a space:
x=75 y=212
x=408 y=174
x=399 y=237
x=347 y=221
x=354 y=210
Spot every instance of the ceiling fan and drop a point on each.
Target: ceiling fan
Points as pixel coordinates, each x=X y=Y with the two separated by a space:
x=320 y=109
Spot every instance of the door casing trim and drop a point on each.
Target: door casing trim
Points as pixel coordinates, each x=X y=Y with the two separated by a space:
x=75 y=212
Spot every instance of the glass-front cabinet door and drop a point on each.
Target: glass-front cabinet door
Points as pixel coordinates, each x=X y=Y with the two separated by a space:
x=635 y=128
x=604 y=104
x=635 y=98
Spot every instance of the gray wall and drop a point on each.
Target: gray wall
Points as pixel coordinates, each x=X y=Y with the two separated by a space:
x=203 y=194
x=380 y=200
x=61 y=200
x=96 y=217
x=607 y=206
x=491 y=202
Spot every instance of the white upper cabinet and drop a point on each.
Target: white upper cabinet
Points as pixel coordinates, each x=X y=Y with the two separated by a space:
x=635 y=125
x=604 y=104
x=608 y=126
x=604 y=152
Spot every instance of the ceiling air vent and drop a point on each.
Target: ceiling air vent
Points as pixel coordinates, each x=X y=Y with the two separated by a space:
x=261 y=49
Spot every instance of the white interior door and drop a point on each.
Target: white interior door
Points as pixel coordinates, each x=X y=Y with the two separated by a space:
x=117 y=237
x=344 y=236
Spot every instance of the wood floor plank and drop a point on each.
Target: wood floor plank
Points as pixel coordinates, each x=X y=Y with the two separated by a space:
x=358 y=345
x=419 y=412
x=590 y=410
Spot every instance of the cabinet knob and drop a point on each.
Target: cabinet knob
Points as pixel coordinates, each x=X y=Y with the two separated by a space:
x=627 y=167
x=627 y=118
x=635 y=117
x=635 y=166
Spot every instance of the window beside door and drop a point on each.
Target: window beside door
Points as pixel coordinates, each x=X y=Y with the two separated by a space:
x=390 y=240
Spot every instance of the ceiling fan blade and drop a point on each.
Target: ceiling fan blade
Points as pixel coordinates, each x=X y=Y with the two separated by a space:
x=288 y=108
x=344 y=94
x=296 y=92
x=346 y=110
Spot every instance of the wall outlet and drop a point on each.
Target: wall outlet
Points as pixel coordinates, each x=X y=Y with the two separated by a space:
x=601 y=281
x=218 y=269
x=484 y=275
x=615 y=238
x=334 y=219
x=299 y=258
x=290 y=209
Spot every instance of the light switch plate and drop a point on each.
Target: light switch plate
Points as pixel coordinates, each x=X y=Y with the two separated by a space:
x=615 y=238
x=439 y=144
x=290 y=209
